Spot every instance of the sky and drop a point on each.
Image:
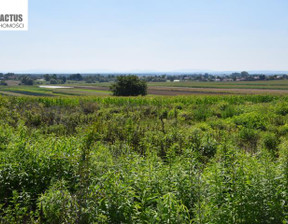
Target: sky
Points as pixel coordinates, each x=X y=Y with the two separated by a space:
x=149 y=35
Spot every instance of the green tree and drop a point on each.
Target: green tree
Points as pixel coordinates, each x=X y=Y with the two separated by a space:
x=53 y=81
x=47 y=77
x=76 y=77
x=129 y=85
x=27 y=80
x=244 y=74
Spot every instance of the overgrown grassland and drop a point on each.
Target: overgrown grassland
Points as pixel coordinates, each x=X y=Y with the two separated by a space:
x=204 y=159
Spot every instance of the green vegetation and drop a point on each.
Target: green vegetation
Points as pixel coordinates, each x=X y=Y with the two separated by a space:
x=37 y=91
x=212 y=159
x=272 y=84
x=269 y=84
x=26 y=80
x=129 y=85
x=80 y=88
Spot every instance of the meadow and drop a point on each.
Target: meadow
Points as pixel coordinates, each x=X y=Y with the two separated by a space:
x=184 y=159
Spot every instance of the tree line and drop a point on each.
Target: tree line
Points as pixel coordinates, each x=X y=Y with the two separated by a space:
x=30 y=79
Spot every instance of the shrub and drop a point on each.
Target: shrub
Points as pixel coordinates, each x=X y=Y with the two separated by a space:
x=270 y=141
x=248 y=137
x=282 y=109
x=252 y=120
x=58 y=205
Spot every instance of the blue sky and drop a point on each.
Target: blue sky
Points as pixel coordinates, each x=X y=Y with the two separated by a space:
x=149 y=35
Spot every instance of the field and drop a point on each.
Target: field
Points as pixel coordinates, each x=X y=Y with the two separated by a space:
x=154 y=159
x=37 y=91
x=272 y=84
x=155 y=88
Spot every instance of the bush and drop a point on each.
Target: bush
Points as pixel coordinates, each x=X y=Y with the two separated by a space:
x=252 y=120
x=248 y=137
x=58 y=205
x=270 y=141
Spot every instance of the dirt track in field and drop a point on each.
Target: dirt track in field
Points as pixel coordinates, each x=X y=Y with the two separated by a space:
x=174 y=91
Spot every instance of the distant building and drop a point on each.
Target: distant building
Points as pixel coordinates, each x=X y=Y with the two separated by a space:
x=176 y=80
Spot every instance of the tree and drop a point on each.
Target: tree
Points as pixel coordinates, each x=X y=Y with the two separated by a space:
x=64 y=79
x=47 y=77
x=53 y=81
x=129 y=85
x=26 y=80
x=244 y=74
x=76 y=77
